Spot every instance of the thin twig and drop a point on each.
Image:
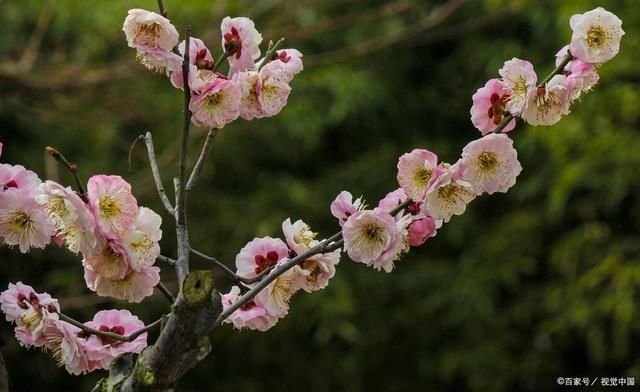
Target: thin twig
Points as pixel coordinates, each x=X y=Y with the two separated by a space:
x=204 y=154
x=239 y=280
x=73 y=169
x=269 y=55
x=166 y=259
x=330 y=244
x=165 y=291
x=110 y=335
x=148 y=141
x=220 y=60
x=163 y=12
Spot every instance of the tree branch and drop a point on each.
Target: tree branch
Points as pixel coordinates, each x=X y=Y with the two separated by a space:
x=237 y=279
x=73 y=169
x=204 y=154
x=148 y=141
x=330 y=244
x=110 y=335
x=183 y=341
x=182 y=233
x=166 y=292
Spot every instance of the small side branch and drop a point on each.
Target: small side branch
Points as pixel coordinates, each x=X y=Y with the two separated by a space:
x=166 y=292
x=330 y=244
x=238 y=280
x=73 y=169
x=110 y=335
x=148 y=141
x=204 y=154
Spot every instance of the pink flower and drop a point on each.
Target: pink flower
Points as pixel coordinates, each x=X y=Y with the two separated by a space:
x=252 y=315
x=249 y=83
x=299 y=236
x=421 y=229
x=1 y=148
x=490 y=164
x=391 y=201
x=111 y=263
x=200 y=59
x=148 y=30
x=73 y=221
x=134 y=287
x=242 y=40
x=547 y=104
x=596 y=35
x=273 y=91
x=66 y=343
x=260 y=254
x=581 y=76
x=344 y=206
x=275 y=297
x=30 y=311
x=291 y=61
x=16 y=177
x=112 y=204
x=313 y=273
x=103 y=350
x=159 y=60
x=217 y=105
x=141 y=241
x=368 y=234
x=489 y=107
x=23 y=221
x=416 y=172
x=448 y=195
x=518 y=79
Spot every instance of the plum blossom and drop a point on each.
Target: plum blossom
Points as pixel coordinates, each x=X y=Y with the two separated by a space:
x=275 y=297
x=73 y=221
x=251 y=315
x=148 y=30
x=344 y=206
x=290 y=61
x=273 y=90
x=111 y=263
x=260 y=254
x=241 y=39
x=490 y=164
x=416 y=172
x=448 y=195
x=200 y=60
x=159 y=61
x=489 y=107
x=30 y=311
x=102 y=349
x=368 y=234
x=315 y=272
x=421 y=229
x=518 y=79
x=66 y=343
x=217 y=105
x=113 y=205
x=548 y=103
x=141 y=241
x=23 y=221
x=581 y=76
x=596 y=35
x=16 y=177
x=134 y=287
x=249 y=83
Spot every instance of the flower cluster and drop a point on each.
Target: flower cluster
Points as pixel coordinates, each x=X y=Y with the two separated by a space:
x=36 y=316
x=260 y=256
x=253 y=87
x=117 y=239
x=595 y=40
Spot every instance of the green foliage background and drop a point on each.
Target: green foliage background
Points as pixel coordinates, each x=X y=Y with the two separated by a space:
x=525 y=287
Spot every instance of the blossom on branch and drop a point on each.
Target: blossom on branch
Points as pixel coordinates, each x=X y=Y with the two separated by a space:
x=489 y=107
x=417 y=170
x=344 y=206
x=259 y=255
x=596 y=35
x=241 y=41
x=518 y=79
x=548 y=103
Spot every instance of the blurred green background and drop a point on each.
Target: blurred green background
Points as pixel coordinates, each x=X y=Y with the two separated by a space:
x=525 y=287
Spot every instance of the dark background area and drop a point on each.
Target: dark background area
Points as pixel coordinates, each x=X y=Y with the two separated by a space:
x=525 y=287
